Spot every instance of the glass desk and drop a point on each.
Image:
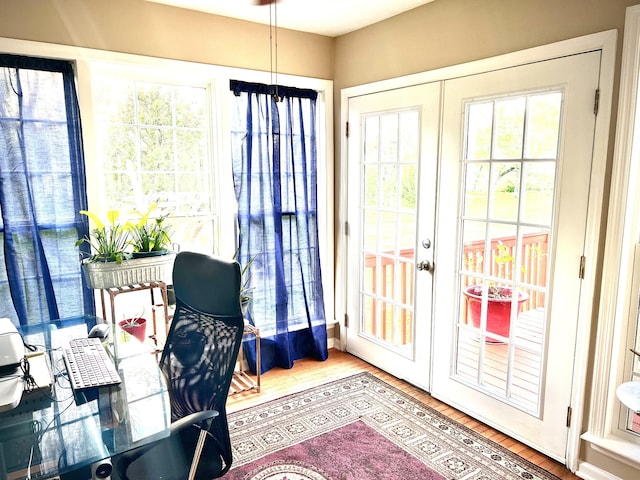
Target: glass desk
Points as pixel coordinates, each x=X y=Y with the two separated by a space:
x=54 y=434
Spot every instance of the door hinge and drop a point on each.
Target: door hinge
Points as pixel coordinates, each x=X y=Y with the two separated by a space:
x=346 y=320
x=596 y=102
x=347 y=129
x=581 y=271
x=346 y=228
x=569 y=412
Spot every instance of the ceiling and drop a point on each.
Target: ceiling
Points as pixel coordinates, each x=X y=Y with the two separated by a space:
x=325 y=17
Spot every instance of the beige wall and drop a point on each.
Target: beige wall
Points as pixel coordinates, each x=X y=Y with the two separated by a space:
x=146 y=28
x=450 y=32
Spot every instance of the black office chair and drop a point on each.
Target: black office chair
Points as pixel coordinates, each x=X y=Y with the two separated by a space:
x=198 y=361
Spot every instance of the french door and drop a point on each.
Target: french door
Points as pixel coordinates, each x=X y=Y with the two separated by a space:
x=517 y=146
x=511 y=151
x=392 y=170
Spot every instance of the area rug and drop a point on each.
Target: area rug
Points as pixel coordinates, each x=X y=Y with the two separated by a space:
x=361 y=428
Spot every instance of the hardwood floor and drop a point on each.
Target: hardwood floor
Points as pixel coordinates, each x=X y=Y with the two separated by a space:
x=308 y=373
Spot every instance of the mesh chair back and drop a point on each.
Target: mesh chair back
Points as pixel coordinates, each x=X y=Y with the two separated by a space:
x=205 y=334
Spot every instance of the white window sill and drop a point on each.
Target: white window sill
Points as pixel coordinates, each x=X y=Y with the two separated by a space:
x=616 y=447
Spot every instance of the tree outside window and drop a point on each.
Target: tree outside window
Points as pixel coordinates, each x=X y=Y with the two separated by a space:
x=154 y=149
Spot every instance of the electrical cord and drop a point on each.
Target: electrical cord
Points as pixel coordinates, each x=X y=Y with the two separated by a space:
x=29 y=382
x=30 y=347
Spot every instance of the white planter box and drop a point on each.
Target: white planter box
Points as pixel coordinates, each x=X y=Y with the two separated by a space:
x=134 y=271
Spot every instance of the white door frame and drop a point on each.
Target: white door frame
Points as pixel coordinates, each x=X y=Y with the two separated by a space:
x=604 y=41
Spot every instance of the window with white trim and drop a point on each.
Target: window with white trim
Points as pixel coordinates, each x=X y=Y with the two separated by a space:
x=153 y=144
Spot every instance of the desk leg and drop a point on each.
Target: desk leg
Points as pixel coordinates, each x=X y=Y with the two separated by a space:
x=104 y=310
x=114 y=325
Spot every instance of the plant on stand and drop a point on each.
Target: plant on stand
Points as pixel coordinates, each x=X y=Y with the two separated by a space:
x=107 y=241
x=245 y=283
x=110 y=264
x=149 y=237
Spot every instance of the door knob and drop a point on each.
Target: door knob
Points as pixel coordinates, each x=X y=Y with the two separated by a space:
x=425 y=266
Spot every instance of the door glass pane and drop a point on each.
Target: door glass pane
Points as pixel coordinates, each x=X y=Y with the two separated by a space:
x=371 y=181
x=388 y=218
x=388 y=186
x=477 y=189
x=506 y=227
x=543 y=125
x=537 y=199
x=509 y=128
x=505 y=186
x=479 y=130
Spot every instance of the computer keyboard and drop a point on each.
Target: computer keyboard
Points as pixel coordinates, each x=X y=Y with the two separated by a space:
x=89 y=365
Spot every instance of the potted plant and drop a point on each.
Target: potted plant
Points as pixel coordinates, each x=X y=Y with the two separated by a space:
x=149 y=237
x=107 y=241
x=110 y=265
x=499 y=300
x=135 y=326
x=245 y=283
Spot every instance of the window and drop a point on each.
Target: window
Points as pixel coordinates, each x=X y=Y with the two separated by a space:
x=153 y=142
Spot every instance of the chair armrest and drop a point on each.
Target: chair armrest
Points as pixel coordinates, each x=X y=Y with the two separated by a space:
x=192 y=419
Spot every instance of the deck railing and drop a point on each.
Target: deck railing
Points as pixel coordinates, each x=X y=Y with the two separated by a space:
x=397 y=326
x=533 y=270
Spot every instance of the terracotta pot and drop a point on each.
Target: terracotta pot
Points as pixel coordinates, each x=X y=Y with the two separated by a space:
x=136 y=327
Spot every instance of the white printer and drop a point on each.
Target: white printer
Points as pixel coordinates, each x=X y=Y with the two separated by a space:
x=11 y=354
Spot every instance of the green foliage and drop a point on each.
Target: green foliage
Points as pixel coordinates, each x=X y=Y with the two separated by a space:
x=155 y=136
x=504 y=256
x=149 y=235
x=245 y=284
x=107 y=241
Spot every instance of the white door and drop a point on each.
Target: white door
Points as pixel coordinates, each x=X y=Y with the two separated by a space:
x=515 y=167
x=392 y=155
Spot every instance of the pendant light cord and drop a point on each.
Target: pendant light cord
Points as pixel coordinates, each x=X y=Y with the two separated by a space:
x=273 y=47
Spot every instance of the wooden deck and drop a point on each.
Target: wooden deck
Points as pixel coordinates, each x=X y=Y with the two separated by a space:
x=308 y=373
x=510 y=372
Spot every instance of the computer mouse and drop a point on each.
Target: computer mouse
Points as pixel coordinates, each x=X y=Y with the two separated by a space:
x=100 y=330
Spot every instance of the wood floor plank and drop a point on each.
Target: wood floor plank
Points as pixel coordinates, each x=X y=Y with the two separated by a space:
x=309 y=373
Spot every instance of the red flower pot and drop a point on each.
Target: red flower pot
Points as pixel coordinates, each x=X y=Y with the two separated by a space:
x=498 y=309
x=136 y=327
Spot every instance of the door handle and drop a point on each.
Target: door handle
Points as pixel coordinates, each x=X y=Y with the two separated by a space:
x=425 y=266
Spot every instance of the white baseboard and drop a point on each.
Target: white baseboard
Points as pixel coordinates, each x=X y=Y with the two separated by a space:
x=591 y=472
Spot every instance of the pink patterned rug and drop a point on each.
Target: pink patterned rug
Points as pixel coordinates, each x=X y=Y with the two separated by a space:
x=361 y=428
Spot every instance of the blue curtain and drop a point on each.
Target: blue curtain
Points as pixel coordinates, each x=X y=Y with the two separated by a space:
x=275 y=175
x=42 y=189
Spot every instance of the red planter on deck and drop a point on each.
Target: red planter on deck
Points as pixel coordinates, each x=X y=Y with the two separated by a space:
x=498 y=310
